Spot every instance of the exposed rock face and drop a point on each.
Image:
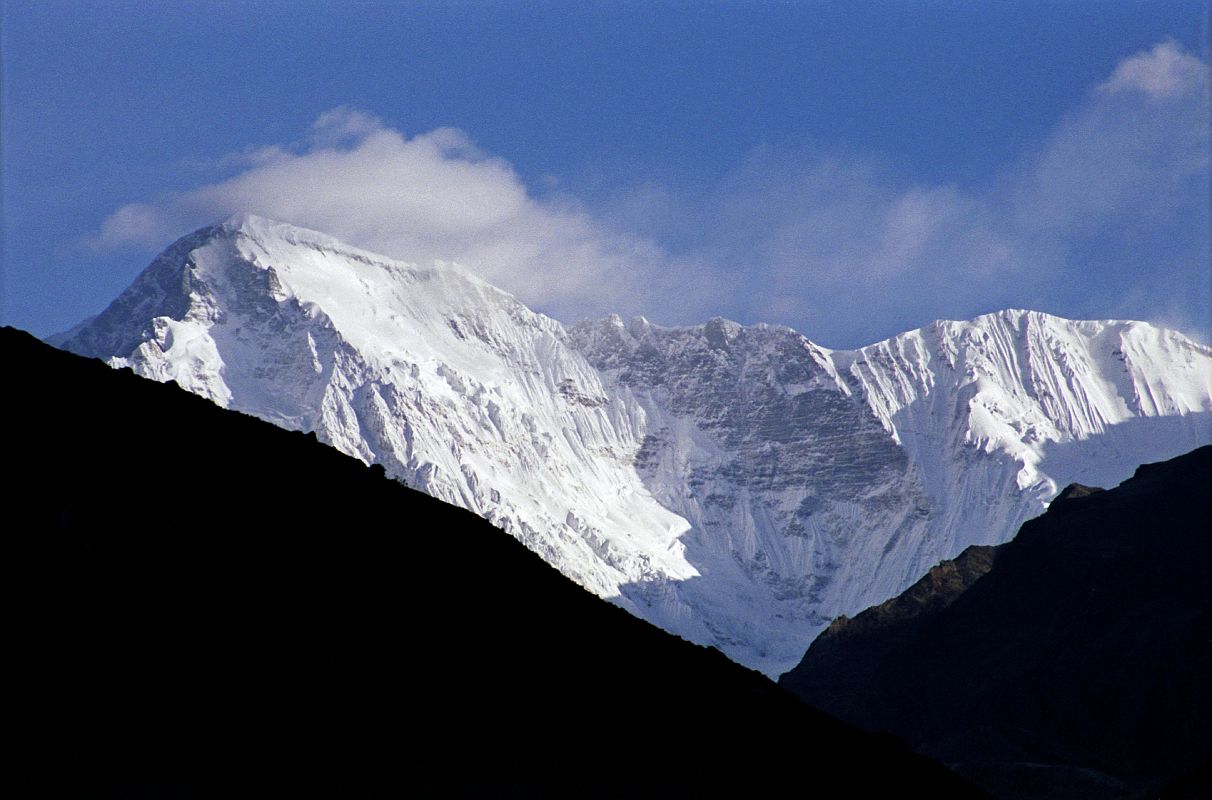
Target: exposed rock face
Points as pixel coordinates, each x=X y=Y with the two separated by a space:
x=795 y=494
x=739 y=486
x=1078 y=665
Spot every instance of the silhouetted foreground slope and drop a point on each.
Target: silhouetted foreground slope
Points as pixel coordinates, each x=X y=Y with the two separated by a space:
x=852 y=653
x=1079 y=665
x=206 y=602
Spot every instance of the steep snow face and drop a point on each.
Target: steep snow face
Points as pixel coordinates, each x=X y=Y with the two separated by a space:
x=448 y=383
x=739 y=486
x=1003 y=411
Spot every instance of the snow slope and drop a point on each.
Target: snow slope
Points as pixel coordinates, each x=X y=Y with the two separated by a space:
x=448 y=383
x=739 y=486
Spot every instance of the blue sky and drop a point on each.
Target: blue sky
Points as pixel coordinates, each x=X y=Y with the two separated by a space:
x=849 y=169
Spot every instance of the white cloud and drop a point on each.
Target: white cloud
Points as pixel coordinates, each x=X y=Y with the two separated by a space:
x=1129 y=152
x=342 y=124
x=138 y=224
x=252 y=157
x=432 y=196
x=842 y=237
x=1163 y=72
x=836 y=244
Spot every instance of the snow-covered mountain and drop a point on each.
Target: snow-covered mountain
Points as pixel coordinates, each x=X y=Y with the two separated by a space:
x=740 y=486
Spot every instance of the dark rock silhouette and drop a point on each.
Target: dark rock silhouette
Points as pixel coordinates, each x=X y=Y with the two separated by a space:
x=853 y=651
x=1078 y=665
x=206 y=604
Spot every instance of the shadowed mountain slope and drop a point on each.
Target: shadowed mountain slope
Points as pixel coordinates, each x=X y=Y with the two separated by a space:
x=851 y=652
x=206 y=603
x=1079 y=665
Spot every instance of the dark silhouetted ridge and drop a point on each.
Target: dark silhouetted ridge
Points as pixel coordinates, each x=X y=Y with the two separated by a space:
x=206 y=604
x=1078 y=665
x=1076 y=490
x=851 y=650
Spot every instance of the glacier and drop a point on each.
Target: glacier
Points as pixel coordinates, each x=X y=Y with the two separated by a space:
x=740 y=486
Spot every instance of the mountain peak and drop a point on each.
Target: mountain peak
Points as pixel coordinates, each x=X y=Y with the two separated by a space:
x=244 y=221
x=266 y=231
x=733 y=484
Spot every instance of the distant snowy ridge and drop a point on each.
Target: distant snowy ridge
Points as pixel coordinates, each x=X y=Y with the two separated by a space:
x=739 y=486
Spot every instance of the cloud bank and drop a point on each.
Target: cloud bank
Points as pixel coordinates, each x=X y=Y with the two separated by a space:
x=836 y=244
